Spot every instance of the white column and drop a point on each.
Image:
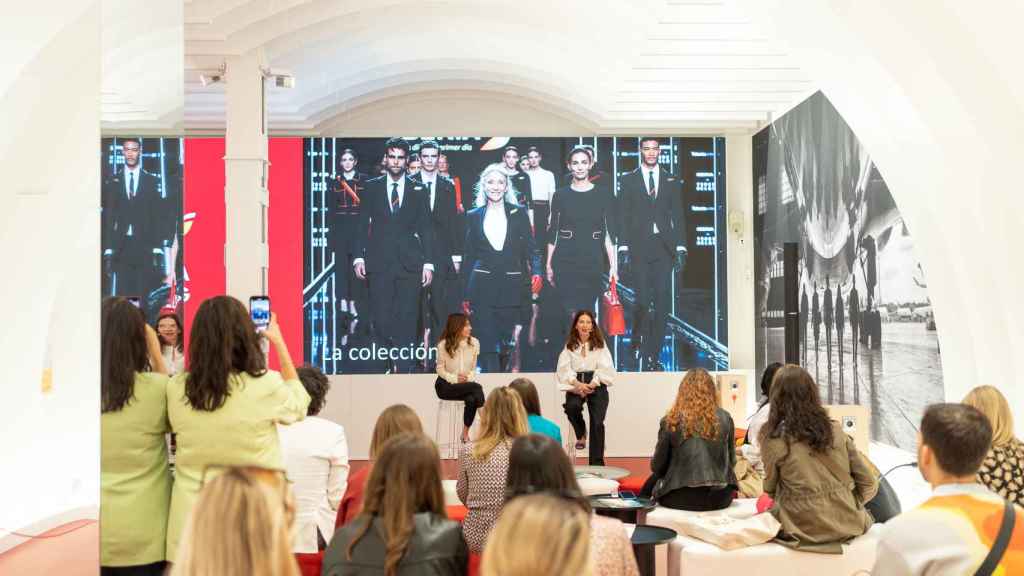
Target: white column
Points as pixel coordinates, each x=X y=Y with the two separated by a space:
x=739 y=190
x=246 y=167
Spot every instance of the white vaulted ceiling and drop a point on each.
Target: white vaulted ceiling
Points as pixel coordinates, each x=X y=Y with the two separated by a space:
x=667 y=65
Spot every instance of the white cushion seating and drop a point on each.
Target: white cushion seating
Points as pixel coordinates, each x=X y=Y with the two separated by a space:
x=592 y=486
x=670 y=518
x=451 y=497
x=691 y=557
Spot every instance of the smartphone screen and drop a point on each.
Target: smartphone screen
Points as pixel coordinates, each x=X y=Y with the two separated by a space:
x=135 y=300
x=259 y=310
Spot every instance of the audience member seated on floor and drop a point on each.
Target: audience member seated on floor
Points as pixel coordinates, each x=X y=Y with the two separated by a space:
x=694 y=460
x=316 y=457
x=135 y=481
x=531 y=403
x=751 y=448
x=240 y=526
x=819 y=481
x=953 y=532
x=394 y=420
x=483 y=465
x=538 y=465
x=457 y=352
x=1002 y=471
x=226 y=408
x=539 y=534
x=402 y=528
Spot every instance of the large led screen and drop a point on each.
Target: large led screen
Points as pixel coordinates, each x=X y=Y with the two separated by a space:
x=518 y=233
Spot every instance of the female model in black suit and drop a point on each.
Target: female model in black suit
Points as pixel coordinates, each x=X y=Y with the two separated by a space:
x=580 y=247
x=502 y=269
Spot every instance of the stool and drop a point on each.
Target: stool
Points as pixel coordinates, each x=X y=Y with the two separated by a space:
x=448 y=430
x=570 y=444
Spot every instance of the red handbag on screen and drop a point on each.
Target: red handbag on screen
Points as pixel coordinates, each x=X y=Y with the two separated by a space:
x=613 y=319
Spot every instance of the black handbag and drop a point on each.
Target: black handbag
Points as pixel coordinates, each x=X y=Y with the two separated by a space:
x=885 y=505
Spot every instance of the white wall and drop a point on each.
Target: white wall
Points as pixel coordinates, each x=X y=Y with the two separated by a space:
x=49 y=251
x=935 y=92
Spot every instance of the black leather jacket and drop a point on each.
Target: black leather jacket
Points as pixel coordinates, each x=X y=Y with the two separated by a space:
x=688 y=462
x=435 y=549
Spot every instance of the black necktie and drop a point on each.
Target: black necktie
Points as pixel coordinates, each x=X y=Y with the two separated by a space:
x=394 y=197
x=650 y=184
x=131 y=184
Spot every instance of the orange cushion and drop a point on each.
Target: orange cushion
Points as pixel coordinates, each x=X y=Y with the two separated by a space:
x=457 y=512
x=741 y=433
x=632 y=483
x=474 y=564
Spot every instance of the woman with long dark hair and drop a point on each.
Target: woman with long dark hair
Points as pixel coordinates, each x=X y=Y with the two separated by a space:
x=531 y=402
x=135 y=482
x=226 y=408
x=752 y=444
x=813 y=471
x=457 y=352
x=403 y=527
x=694 y=461
x=538 y=464
x=584 y=372
x=172 y=341
x=503 y=268
x=580 y=247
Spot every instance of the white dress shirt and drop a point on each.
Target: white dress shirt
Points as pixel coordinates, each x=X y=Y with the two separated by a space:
x=495 y=225
x=315 y=455
x=542 y=184
x=174 y=360
x=401 y=190
x=430 y=183
x=646 y=172
x=752 y=451
x=133 y=179
x=572 y=361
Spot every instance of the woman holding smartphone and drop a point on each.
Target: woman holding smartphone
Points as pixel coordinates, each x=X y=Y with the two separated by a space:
x=580 y=247
x=584 y=372
x=226 y=408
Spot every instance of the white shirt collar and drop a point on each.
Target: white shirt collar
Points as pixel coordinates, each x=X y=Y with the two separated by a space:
x=401 y=188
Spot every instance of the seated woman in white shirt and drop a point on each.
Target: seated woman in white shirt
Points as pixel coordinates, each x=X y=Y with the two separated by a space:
x=172 y=341
x=751 y=449
x=457 y=352
x=315 y=455
x=584 y=372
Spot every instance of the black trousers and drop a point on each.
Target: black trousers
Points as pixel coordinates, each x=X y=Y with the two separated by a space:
x=652 y=280
x=394 y=303
x=154 y=569
x=696 y=499
x=436 y=303
x=471 y=394
x=597 y=406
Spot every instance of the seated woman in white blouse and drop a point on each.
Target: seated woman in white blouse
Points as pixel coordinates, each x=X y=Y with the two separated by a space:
x=584 y=372
x=457 y=352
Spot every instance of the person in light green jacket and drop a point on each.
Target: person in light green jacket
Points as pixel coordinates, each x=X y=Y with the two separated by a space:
x=225 y=408
x=135 y=480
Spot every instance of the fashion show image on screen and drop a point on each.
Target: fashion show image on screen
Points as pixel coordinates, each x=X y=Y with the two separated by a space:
x=141 y=223
x=867 y=332
x=518 y=233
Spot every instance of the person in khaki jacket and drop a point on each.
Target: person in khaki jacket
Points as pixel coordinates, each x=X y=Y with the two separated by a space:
x=813 y=471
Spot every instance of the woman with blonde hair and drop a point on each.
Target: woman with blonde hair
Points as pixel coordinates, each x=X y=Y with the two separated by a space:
x=694 y=461
x=483 y=465
x=402 y=528
x=1003 y=469
x=539 y=534
x=394 y=420
x=241 y=526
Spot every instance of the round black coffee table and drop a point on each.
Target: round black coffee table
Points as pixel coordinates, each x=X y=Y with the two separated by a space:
x=644 y=539
x=629 y=510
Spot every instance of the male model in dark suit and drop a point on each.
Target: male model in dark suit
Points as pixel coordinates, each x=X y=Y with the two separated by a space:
x=394 y=249
x=135 y=229
x=653 y=243
x=439 y=298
